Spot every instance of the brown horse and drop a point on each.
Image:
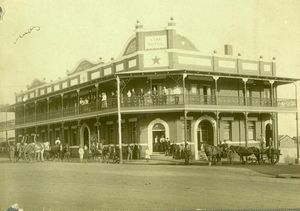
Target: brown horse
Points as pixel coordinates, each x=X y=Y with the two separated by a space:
x=246 y=151
x=213 y=153
x=227 y=152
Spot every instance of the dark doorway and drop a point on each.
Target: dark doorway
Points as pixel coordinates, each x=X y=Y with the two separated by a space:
x=86 y=136
x=205 y=133
x=158 y=135
x=269 y=134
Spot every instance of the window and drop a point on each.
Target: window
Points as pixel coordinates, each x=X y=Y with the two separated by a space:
x=251 y=130
x=132 y=133
x=227 y=135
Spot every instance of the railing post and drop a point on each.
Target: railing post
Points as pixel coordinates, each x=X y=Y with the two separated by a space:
x=216 y=78
x=119 y=118
x=245 y=91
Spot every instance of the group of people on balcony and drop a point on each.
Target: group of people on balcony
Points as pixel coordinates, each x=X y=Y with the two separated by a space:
x=157 y=95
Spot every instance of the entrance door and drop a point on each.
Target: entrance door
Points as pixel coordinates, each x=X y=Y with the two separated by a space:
x=205 y=133
x=158 y=134
x=86 y=137
x=269 y=134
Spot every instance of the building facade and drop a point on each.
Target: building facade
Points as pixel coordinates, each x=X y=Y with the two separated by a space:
x=160 y=87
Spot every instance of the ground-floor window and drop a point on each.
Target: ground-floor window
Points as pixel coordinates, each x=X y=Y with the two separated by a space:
x=73 y=141
x=251 y=130
x=227 y=132
x=132 y=132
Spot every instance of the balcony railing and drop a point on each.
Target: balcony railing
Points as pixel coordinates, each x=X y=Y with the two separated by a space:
x=291 y=103
x=153 y=101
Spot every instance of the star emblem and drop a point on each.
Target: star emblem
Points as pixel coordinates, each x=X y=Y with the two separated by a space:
x=155 y=60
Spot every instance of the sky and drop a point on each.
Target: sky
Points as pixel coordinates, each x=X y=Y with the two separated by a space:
x=65 y=32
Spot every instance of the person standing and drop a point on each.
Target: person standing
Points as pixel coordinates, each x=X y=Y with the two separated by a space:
x=147 y=156
x=129 y=152
x=81 y=153
x=57 y=141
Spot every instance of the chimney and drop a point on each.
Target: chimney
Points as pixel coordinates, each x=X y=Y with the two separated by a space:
x=228 y=50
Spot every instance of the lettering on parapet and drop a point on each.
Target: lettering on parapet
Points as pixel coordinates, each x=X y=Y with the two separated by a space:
x=33 y=28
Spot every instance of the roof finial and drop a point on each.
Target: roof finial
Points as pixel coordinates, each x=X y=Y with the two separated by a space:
x=138 y=25
x=171 y=22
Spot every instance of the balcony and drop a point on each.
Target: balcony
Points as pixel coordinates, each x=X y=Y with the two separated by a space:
x=163 y=101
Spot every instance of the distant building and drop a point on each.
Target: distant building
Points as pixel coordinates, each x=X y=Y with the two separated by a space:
x=288 y=149
x=162 y=87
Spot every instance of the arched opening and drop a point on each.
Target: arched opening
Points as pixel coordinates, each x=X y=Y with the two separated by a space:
x=85 y=135
x=157 y=127
x=269 y=134
x=205 y=133
x=158 y=133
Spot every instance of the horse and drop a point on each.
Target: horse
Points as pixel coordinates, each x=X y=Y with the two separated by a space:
x=65 y=152
x=55 y=151
x=246 y=151
x=105 y=154
x=213 y=153
x=226 y=152
x=96 y=152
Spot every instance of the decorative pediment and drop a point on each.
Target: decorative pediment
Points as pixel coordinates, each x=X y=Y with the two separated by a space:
x=35 y=83
x=84 y=65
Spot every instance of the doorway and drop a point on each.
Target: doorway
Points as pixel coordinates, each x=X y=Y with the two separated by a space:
x=205 y=133
x=269 y=134
x=158 y=136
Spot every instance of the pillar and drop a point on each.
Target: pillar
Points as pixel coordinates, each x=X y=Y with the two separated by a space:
x=297 y=138
x=245 y=90
x=218 y=127
x=97 y=98
x=78 y=132
x=98 y=131
x=216 y=78
x=246 y=128
x=63 y=132
x=119 y=119
x=272 y=92
x=48 y=107
x=48 y=134
x=24 y=113
x=297 y=126
x=78 y=104
x=185 y=112
x=62 y=104
x=35 y=111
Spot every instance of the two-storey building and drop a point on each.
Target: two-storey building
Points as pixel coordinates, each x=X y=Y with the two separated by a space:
x=160 y=87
